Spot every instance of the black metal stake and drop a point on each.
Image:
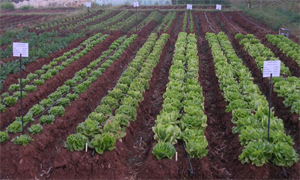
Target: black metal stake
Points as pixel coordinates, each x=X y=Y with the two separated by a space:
x=189 y=159
x=21 y=93
x=270 y=102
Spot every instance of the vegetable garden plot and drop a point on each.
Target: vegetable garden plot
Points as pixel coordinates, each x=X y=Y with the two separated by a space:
x=100 y=108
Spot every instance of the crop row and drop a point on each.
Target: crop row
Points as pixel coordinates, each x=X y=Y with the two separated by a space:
x=84 y=22
x=285 y=87
x=55 y=104
x=104 y=126
x=49 y=39
x=62 y=21
x=128 y=23
x=191 y=22
x=184 y=21
x=286 y=45
x=168 y=18
x=154 y=16
x=48 y=71
x=106 y=24
x=183 y=94
x=36 y=51
x=249 y=109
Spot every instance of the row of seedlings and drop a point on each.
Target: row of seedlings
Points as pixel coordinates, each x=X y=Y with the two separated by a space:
x=111 y=118
x=286 y=86
x=191 y=23
x=53 y=106
x=184 y=21
x=84 y=21
x=170 y=20
x=48 y=71
x=106 y=24
x=249 y=109
x=183 y=94
x=51 y=41
x=62 y=21
x=154 y=16
x=128 y=23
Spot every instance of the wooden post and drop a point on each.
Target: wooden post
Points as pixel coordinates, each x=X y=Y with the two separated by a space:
x=249 y=4
x=261 y=5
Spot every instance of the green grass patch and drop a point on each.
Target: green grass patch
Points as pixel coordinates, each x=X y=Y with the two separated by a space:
x=26 y=8
x=7 y=6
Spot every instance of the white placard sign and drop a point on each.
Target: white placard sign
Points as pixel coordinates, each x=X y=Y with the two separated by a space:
x=136 y=4
x=189 y=6
x=218 y=7
x=271 y=67
x=88 y=4
x=20 y=48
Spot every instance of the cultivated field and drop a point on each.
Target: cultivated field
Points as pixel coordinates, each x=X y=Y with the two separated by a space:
x=148 y=93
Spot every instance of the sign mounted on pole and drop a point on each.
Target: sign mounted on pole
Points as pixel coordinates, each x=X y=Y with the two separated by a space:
x=88 y=4
x=136 y=4
x=20 y=48
x=218 y=7
x=271 y=67
x=189 y=6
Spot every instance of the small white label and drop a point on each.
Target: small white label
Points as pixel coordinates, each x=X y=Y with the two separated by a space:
x=271 y=67
x=218 y=7
x=189 y=6
x=136 y=4
x=20 y=48
x=88 y=4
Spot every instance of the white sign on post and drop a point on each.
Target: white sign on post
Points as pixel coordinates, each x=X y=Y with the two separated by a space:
x=271 y=67
x=136 y=4
x=189 y=6
x=20 y=48
x=218 y=7
x=88 y=4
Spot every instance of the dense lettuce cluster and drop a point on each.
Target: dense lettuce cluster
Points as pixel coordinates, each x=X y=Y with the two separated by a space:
x=182 y=114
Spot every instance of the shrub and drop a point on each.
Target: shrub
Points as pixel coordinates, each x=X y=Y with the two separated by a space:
x=7 y=6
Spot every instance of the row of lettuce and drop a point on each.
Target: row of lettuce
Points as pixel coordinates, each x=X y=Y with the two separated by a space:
x=190 y=22
x=51 y=41
x=286 y=45
x=249 y=109
x=65 y=94
x=286 y=86
x=54 y=105
x=110 y=119
x=67 y=20
x=182 y=116
x=47 y=71
x=166 y=22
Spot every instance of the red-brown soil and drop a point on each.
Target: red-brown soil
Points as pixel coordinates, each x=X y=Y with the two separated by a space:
x=46 y=152
x=46 y=157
